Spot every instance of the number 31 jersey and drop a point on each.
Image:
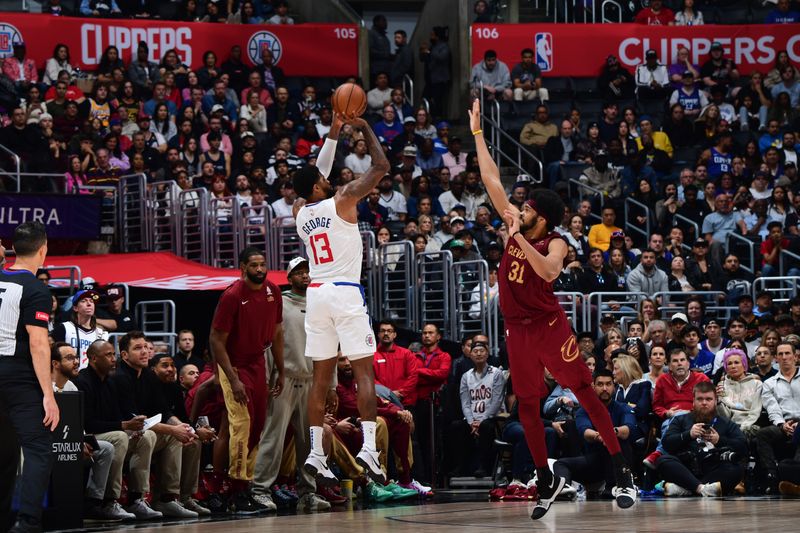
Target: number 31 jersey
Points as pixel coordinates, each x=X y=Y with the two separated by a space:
x=524 y=295
x=333 y=246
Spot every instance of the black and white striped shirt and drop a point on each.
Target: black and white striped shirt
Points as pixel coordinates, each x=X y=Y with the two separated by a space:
x=24 y=301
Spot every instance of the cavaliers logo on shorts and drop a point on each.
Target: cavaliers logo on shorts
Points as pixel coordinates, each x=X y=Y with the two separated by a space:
x=370 y=340
x=569 y=350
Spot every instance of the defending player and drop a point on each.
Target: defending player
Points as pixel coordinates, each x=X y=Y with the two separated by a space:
x=538 y=334
x=336 y=311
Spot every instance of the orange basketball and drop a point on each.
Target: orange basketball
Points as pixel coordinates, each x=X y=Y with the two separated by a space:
x=349 y=98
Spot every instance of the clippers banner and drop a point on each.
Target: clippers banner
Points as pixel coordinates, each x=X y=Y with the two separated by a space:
x=580 y=50
x=300 y=50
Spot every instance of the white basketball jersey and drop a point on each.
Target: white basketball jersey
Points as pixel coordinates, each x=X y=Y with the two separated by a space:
x=333 y=246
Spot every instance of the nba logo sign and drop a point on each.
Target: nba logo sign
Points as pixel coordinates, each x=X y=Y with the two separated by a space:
x=8 y=36
x=543 y=44
x=264 y=40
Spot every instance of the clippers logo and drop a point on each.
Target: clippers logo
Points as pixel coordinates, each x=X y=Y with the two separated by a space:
x=370 y=340
x=261 y=40
x=8 y=36
x=544 y=50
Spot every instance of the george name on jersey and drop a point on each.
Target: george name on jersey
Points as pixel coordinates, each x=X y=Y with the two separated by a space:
x=316 y=223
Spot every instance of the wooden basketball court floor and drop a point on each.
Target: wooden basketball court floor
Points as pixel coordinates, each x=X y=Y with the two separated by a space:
x=679 y=515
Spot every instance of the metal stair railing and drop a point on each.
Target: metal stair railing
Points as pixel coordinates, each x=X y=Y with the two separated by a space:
x=495 y=135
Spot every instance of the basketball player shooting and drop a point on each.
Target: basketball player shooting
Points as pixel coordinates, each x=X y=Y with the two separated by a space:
x=538 y=334
x=336 y=312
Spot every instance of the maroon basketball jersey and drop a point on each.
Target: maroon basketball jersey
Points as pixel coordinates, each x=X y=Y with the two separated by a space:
x=524 y=295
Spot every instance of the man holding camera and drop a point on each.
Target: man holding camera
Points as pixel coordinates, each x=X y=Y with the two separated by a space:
x=702 y=449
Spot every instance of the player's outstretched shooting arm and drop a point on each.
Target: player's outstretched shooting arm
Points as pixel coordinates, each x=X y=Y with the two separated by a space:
x=353 y=192
x=490 y=174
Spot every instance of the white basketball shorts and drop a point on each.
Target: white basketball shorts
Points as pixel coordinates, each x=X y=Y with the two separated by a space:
x=336 y=315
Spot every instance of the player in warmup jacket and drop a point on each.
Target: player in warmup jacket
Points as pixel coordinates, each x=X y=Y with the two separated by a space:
x=247 y=321
x=538 y=334
x=336 y=310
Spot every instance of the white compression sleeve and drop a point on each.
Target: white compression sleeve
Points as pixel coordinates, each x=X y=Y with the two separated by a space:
x=326 y=156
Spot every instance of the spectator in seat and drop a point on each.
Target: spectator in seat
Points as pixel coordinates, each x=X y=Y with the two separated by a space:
x=615 y=82
x=718 y=224
x=537 y=132
x=143 y=394
x=100 y=8
x=558 y=149
x=647 y=277
x=433 y=367
x=596 y=276
x=160 y=97
x=788 y=84
x=688 y=15
x=781 y=399
x=718 y=70
x=655 y=15
x=185 y=354
x=454 y=159
x=771 y=248
x=142 y=72
x=492 y=76
x=395 y=367
x=526 y=79
x=281 y=15
x=115 y=318
x=673 y=396
x=481 y=394
x=163 y=367
x=389 y=127
x=22 y=72
x=690 y=468
x=783 y=14
x=660 y=139
x=26 y=141
x=395 y=423
x=219 y=97
x=392 y=200
x=380 y=95
x=595 y=463
x=63 y=369
x=600 y=234
x=106 y=418
x=652 y=79
x=81 y=329
x=600 y=176
x=371 y=212
x=271 y=75
x=634 y=391
x=689 y=96
x=739 y=393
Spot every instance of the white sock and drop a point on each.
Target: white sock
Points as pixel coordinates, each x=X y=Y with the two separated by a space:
x=316 y=440
x=369 y=434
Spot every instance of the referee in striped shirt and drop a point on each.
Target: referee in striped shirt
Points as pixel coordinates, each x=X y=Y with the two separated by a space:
x=26 y=391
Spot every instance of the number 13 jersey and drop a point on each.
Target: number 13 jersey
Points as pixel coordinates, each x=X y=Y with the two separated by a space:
x=524 y=295
x=334 y=247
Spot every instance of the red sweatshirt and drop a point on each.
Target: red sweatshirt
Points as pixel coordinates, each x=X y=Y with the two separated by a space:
x=396 y=368
x=432 y=368
x=669 y=396
x=348 y=401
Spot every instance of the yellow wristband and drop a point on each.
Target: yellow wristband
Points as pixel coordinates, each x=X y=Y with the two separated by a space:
x=476 y=132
